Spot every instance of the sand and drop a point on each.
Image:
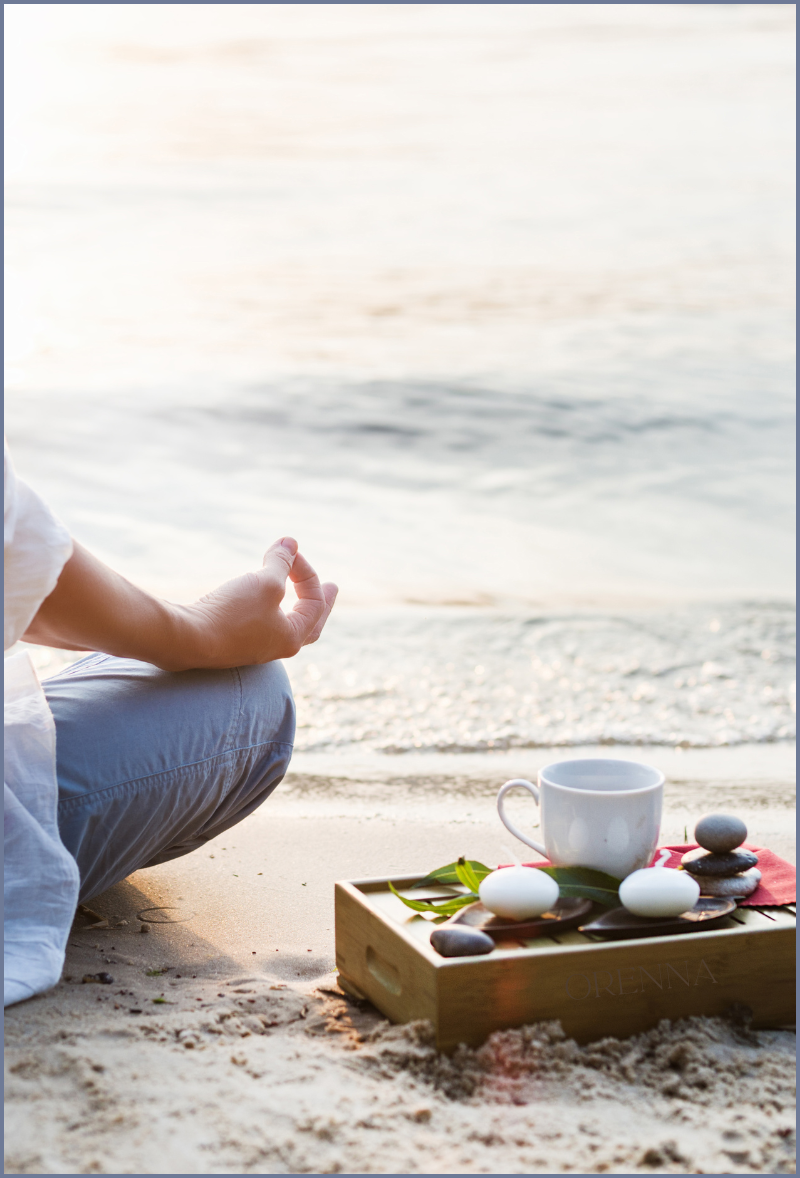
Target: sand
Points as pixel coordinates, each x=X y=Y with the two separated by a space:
x=223 y=1044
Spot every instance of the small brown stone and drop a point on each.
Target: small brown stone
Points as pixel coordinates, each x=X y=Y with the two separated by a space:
x=455 y=941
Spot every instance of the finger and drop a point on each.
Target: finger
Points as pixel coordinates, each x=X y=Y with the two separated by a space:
x=312 y=607
x=305 y=580
x=303 y=618
x=280 y=557
x=329 y=591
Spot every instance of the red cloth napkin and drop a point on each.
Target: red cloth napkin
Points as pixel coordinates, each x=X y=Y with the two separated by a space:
x=778 y=884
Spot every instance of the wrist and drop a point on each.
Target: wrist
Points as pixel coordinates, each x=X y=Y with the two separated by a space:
x=188 y=639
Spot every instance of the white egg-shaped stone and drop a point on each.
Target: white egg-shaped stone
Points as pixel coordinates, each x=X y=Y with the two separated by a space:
x=518 y=893
x=659 y=891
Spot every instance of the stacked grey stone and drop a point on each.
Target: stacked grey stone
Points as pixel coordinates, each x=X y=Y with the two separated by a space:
x=718 y=866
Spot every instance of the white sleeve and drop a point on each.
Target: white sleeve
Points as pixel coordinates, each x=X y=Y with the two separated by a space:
x=36 y=546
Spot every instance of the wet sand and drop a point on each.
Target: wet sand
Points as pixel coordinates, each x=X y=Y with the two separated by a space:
x=229 y=1074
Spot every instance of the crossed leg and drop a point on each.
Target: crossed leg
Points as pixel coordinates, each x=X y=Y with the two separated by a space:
x=152 y=764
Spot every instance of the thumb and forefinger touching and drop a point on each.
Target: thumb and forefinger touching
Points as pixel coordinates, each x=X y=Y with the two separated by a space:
x=329 y=591
x=314 y=600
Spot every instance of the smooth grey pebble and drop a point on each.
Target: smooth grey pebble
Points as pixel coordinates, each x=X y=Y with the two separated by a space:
x=720 y=832
x=461 y=942
x=733 y=887
x=704 y=863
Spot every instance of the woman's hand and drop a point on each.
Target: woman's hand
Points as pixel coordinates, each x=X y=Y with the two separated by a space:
x=241 y=623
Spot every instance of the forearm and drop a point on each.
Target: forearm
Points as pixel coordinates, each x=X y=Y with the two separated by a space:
x=238 y=624
x=94 y=608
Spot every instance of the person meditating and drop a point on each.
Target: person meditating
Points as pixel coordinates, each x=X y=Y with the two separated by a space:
x=178 y=727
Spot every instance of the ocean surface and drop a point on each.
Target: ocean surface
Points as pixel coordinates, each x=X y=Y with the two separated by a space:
x=491 y=306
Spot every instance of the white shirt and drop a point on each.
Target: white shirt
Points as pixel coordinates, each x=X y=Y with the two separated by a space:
x=40 y=876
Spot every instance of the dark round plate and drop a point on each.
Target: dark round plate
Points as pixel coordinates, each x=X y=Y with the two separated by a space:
x=565 y=914
x=619 y=924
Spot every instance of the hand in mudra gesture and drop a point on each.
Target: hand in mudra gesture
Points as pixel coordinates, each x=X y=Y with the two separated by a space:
x=243 y=620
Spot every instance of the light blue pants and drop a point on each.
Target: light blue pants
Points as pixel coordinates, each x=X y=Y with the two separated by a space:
x=152 y=764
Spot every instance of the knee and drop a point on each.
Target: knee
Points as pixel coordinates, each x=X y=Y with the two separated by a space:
x=268 y=712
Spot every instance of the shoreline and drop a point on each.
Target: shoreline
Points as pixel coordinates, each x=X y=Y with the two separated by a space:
x=756 y=762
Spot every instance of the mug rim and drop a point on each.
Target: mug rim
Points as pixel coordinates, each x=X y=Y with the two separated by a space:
x=609 y=793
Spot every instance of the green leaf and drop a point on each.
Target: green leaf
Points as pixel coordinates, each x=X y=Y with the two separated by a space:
x=444 y=907
x=454 y=905
x=466 y=875
x=585 y=883
x=449 y=875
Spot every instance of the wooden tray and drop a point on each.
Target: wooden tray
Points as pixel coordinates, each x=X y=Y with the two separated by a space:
x=620 y=988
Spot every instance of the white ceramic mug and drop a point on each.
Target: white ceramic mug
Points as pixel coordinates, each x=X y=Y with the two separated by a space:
x=595 y=813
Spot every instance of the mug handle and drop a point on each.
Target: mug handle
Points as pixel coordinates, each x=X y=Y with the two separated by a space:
x=531 y=788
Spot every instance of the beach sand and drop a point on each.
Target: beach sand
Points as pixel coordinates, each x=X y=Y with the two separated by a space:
x=224 y=1045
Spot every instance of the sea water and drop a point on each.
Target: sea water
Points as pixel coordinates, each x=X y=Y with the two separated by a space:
x=489 y=305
